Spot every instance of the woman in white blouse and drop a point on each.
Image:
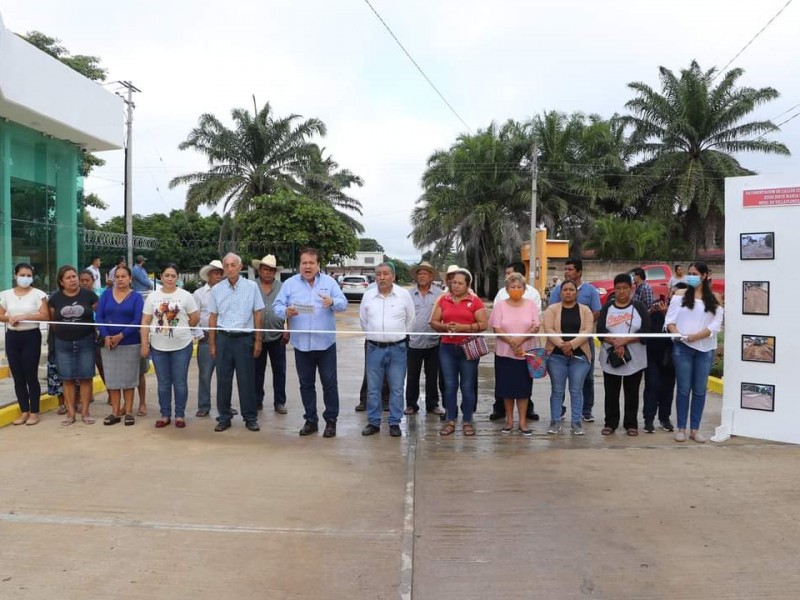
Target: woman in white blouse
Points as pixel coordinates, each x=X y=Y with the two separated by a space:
x=697 y=318
x=18 y=307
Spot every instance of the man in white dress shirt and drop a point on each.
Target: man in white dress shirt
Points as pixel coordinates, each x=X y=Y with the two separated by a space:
x=387 y=314
x=212 y=274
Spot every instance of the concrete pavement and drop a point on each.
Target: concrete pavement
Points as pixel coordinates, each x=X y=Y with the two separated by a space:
x=135 y=512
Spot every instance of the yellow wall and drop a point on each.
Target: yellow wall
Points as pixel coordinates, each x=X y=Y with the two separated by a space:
x=544 y=249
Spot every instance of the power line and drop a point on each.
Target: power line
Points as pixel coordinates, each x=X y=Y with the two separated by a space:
x=411 y=58
x=747 y=45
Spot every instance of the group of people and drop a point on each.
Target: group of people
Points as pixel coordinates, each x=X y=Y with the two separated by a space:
x=239 y=324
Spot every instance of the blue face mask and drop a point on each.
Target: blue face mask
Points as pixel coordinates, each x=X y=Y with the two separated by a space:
x=693 y=280
x=24 y=281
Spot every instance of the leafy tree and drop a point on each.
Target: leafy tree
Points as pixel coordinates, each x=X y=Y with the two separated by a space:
x=284 y=216
x=634 y=239
x=369 y=245
x=402 y=270
x=686 y=136
x=262 y=155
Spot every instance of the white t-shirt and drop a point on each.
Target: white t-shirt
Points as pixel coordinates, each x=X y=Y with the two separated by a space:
x=22 y=305
x=169 y=328
x=621 y=321
x=95 y=271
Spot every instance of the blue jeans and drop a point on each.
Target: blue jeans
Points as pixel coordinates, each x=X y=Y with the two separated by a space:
x=276 y=351
x=562 y=369
x=458 y=372
x=391 y=363
x=307 y=364
x=205 y=365
x=588 y=383
x=692 y=368
x=172 y=370
x=235 y=355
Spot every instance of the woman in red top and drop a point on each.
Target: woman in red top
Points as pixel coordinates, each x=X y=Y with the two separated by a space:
x=459 y=312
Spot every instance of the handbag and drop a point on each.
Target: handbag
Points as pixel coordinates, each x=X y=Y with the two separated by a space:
x=615 y=360
x=537 y=362
x=474 y=348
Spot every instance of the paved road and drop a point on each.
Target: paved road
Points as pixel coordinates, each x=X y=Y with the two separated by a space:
x=116 y=512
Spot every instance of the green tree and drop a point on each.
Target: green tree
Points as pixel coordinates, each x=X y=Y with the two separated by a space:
x=617 y=238
x=284 y=216
x=475 y=200
x=369 y=245
x=262 y=155
x=686 y=136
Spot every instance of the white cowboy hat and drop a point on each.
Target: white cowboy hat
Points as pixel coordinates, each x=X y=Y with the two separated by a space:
x=212 y=266
x=453 y=269
x=267 y=261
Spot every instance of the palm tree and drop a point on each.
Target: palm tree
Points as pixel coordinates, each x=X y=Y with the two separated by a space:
x=475 y=201
x=686 y=136
x=260 y=155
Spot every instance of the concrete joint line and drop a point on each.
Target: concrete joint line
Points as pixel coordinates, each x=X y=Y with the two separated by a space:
x=407 y=557
x=205 y=527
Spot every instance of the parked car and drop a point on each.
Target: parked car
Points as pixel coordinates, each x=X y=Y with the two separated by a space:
x=658 y=276
x=354 y=286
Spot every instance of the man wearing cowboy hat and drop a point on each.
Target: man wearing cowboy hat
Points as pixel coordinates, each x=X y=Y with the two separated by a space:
x=423 y=349
x=273 y=342
x=212 y=275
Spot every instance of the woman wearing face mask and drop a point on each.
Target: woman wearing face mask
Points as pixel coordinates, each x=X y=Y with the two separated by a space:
x=697 y=318
x=24 y=340
x=514 y=320
x=119 y=313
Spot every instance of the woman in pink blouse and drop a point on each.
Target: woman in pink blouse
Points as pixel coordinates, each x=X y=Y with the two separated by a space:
x=514 y=320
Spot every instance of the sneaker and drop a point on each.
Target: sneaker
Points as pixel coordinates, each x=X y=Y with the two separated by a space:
x=588 y=418
x=506 y=430
x=680 y=436
x=648 y=427
x=667 y=425
x=555 y=428
x=281 y=409
x=576 y=429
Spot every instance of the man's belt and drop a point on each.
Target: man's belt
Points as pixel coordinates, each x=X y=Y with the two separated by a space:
x=388 y=344
x=234 y=334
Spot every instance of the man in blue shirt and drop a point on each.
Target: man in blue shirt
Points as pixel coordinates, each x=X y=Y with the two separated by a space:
x=308 y=300
x=141 y=282
x=235 y=307
x=588 y=295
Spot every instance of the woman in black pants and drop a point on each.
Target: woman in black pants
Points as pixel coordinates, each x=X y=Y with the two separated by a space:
x=18 y=306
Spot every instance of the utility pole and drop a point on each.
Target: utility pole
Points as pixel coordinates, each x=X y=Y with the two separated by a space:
x=129 y=168
x=534 y=201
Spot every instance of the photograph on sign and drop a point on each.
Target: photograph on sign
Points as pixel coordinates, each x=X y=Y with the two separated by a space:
x=755 y=297
x=757 y=246
x=758 y=396
x=758 y=348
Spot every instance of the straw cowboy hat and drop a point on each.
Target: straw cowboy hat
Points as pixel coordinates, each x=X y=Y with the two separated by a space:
x=267 y=261
x=212 y=266
x=423 y=266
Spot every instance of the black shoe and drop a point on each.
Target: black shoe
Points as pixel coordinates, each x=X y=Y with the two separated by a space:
x=532 y=416
x=234 y=412
x=309 y=428
x=330 y=430
x=370 y=429
x=497 y=416
x=394 y=431
x=201 y=413
x=252 y=426
x=563 y=410
x=667 y=425
x=361 y=407
x=222 y=426
x=385 y=408
x=648 y=427
x=259 y=407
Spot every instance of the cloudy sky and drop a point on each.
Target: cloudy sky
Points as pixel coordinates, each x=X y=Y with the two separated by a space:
x=332 y=59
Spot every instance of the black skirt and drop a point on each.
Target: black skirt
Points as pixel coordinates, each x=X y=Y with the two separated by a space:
x=511 y=379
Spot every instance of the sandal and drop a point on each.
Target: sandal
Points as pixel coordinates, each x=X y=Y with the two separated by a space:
x=68 y=421
x=469 y=430
x=142 y=411
x=633 y=432
x=448 y=428
x=129 y=420
x=606 y=431
x=111 y=420
x=62 y=410
x=88 y=420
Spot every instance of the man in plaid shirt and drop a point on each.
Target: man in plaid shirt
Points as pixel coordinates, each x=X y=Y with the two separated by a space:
x=643 y=293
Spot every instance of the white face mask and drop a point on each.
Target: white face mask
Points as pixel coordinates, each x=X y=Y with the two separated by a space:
x=24 y=281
